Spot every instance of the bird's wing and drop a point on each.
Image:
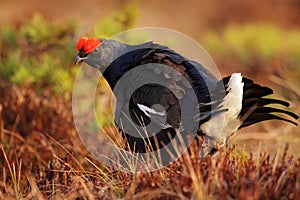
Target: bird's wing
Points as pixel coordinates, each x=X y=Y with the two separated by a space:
x=166 y=90
x=188 y=81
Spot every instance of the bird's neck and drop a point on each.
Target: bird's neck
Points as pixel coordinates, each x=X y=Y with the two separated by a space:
x=125 y=59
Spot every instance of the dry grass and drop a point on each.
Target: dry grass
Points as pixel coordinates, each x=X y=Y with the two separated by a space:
x=51 y=162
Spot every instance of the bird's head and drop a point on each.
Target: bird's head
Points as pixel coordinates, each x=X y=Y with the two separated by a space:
x=97 y=52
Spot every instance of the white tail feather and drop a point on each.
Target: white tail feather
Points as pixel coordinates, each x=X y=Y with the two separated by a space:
x=222 y=126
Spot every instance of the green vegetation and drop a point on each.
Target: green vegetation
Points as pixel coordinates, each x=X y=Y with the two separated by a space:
x=38 y=53
x=42 y=52
x=117 y=22
x=256 y=45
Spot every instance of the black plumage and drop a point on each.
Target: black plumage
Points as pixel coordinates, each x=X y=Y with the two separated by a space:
x=150 y=55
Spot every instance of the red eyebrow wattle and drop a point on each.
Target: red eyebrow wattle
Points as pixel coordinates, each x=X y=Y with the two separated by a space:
x=87 y=44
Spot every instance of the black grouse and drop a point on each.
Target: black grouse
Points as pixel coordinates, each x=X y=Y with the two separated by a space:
x=155 y=85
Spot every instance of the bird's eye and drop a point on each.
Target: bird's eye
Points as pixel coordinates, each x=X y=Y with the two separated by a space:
x=96 y=50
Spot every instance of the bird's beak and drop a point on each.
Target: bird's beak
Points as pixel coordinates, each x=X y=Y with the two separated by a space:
x=79 y=59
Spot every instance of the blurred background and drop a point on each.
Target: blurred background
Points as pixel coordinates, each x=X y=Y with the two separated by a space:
x=261 y=39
